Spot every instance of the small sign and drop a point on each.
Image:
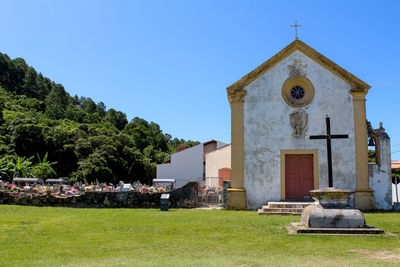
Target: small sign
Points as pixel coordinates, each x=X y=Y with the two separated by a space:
x=164 y=202
x=164 y=196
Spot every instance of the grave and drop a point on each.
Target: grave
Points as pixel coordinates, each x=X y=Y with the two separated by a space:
x=126 y=188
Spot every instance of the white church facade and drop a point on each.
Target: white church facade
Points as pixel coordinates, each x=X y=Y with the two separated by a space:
x=274 y=111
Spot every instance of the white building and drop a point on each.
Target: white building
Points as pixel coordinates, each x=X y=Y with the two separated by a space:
x=188 y=164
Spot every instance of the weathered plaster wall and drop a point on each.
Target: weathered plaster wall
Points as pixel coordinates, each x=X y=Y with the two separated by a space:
x=218 y=159
x=380 y=176
x=267 y=129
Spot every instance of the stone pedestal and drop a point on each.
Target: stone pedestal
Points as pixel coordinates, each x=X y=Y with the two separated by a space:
x=333 y=198
x=315 y=216
x=332 y=213
x=237 y=199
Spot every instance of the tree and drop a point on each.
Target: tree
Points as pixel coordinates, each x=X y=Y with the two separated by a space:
x=30 y=86
x=28 y=139
x=75 y=114
x=4 y=70
x=22 y=167
x=116 y=118
x=95 y=168
x=32 y=104
x=7 y=167
x=44 y=168
x=1 y=112
x=44 y=86
x=87 y=104
x=371 y=156
x=101 y=109
x=146 y=134
x=396 y=173
x=17 y=70
x=56 y=102
x=175 y=143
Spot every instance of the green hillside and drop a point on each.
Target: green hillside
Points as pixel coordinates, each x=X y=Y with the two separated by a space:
x=45 y=132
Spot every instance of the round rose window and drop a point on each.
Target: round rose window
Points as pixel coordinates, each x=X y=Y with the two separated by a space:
x=297 y=92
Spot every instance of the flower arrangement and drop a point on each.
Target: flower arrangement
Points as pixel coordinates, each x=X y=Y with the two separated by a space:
x=12 y=188
x=77 y=189
x=143 y=188
x=207 y=189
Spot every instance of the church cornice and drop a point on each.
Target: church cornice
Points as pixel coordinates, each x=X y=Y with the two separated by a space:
x=358 y=85
x=237 y=96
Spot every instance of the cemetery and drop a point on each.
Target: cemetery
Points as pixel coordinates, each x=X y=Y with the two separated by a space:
x=134 y=195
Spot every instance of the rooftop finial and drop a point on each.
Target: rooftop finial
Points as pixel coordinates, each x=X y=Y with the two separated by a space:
x=295 y=27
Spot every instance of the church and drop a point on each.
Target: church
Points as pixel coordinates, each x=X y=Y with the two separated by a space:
x=298 y=123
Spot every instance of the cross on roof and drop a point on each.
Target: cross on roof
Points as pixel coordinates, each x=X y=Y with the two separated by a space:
x=295 y=27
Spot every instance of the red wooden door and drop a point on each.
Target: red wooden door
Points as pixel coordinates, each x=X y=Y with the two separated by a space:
x=299 y=172
x=224 y=174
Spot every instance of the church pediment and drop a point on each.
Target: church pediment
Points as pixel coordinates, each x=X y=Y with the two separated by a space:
x=357 y=85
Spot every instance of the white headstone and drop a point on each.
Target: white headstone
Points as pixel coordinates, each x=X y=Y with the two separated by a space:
x=126 y=187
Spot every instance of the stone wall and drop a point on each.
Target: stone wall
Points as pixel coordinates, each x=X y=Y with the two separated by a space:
x=182 y=197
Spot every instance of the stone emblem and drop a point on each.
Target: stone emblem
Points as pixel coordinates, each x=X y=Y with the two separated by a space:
x=297 y=68
x=298 y=121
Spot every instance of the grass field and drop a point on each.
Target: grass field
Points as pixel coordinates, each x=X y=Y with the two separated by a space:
x=33 y=236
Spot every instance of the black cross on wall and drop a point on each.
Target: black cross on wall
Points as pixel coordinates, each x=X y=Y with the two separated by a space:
x=328 y=138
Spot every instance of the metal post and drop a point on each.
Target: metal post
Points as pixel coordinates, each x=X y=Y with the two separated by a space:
x=226 y=185
x=329 y=150
x=397 y=193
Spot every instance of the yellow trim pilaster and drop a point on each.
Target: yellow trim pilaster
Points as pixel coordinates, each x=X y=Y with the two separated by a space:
x=363 y=198
x=237 y=194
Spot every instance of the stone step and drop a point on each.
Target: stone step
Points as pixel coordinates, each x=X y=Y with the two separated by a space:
x=277 y=212
x=283 y=208
x=266 y=209
x=300 y=205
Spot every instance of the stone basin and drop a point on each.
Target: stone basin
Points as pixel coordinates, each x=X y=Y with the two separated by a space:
x=333 y=198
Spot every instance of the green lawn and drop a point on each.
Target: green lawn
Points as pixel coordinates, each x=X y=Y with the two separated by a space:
x=34 y=236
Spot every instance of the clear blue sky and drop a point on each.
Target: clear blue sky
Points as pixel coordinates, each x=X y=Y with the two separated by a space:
x=171 y=61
